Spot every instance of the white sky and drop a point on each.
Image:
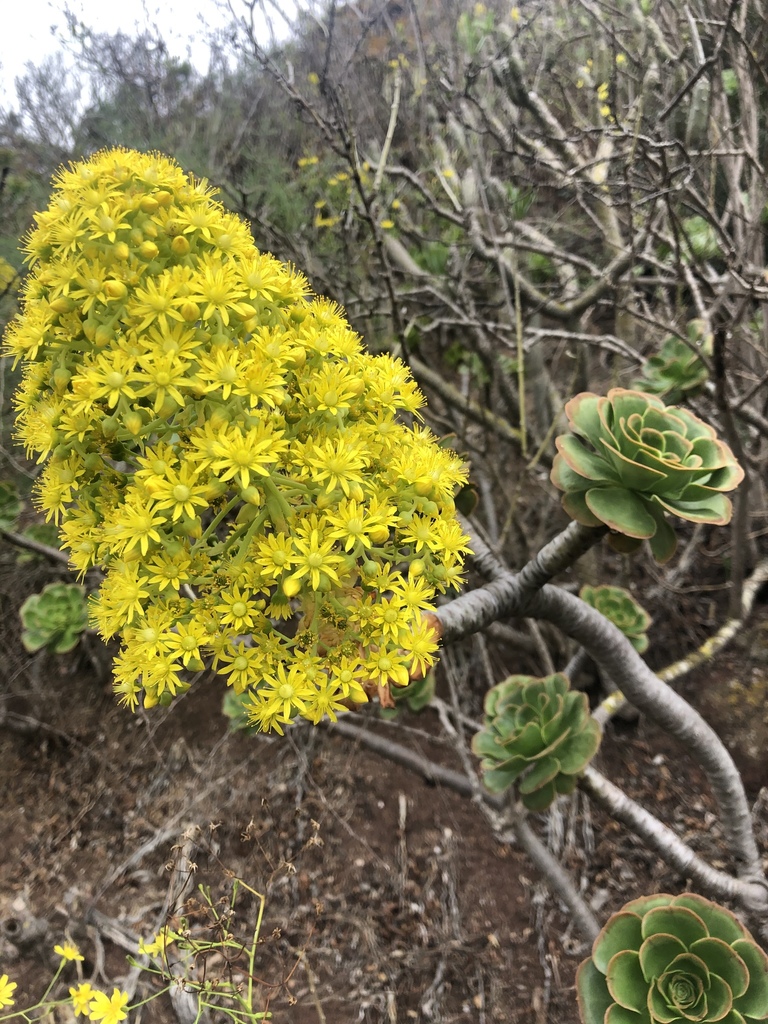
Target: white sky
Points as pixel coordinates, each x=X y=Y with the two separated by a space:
x=32 y=28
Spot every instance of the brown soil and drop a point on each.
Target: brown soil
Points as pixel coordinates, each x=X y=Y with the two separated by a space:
x=387 y=899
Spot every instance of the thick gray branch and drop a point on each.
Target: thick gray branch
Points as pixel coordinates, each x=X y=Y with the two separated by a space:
x=753 y=896
x=504 y=597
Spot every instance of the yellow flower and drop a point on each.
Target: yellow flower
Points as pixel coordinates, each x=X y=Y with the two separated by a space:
x=81 y=996
x=159 y=945
x=386 y=224
x=68 y=951
x=621 y=59
x=7 y=989
x=313 y=78
x=515 y=14
x=109 y=1009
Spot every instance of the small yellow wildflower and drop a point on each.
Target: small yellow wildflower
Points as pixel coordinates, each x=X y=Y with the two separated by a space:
x=7 y=989
x=515 y=14
x=621 y=59
x=109 y=1009
x=81 y=996
x=68 y=951
x=313 y=78
x=386 y=224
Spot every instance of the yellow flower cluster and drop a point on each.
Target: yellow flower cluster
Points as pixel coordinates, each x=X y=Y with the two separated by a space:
x=216 y=439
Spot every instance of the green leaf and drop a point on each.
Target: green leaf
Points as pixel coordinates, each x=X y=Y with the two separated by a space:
x=719 y=998
x=541 y=773
x=754 y=1002
x=620 y=1015
x=622 y=931
x=721 y=923
x=581 y=749
x=626 y=982
x=678 y=921
x=717 y=509
x=496 y=780
x=565 y=479
x=664 y=542
x=622 y=511
x=630 y=472
x=584 y=415
x=592 y=992
x=582 y=461
x=541 y=799
x=575 y=505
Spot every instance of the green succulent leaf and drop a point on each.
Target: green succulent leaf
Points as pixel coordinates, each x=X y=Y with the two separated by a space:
x=674 y=920
x=575 y=504
x=622 y=931
x=622 y=511
x=663 y=543
x=625 y=980
x=755 y=1000
x=592 y=992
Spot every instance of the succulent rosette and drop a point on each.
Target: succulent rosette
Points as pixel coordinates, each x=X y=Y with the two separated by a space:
x=630 y=460
x=670 y=959
x=54 y=618
x=216 y=439
x=677 y=369
x=620 y=608
x=539 y=733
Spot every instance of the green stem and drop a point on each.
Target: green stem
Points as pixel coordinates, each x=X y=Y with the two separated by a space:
x=218 y=518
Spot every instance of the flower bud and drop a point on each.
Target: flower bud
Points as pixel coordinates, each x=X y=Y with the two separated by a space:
x=291 y=586
x=133 y=422
x=148 y=251
x=190 y=311
x=109 y=426
x=61 y=377
x=180 y=245
x=63 y=304
x=102 y=336
x=115 y=289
